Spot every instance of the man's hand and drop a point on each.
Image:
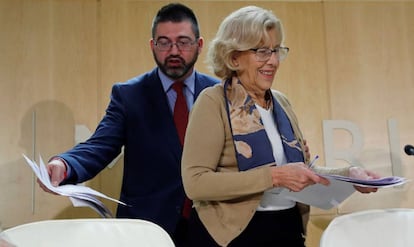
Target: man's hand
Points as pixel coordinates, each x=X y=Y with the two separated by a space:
x=56 y=169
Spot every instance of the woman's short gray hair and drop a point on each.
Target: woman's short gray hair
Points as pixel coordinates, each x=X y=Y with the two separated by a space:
x=242 y=30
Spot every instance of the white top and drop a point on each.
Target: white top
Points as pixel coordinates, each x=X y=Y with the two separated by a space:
x=271 y=201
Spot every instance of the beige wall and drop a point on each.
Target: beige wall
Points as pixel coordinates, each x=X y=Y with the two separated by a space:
x=349 y=60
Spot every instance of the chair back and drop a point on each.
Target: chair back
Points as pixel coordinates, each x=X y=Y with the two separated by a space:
x=98 y=232
x=371 y=228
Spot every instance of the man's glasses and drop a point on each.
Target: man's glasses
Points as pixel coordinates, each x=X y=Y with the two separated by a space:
x=264 y=54
x=182 y=44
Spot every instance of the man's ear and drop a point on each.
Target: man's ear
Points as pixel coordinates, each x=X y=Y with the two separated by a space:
x=200 y=44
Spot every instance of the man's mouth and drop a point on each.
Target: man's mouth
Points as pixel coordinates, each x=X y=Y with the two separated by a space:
x=174 y=62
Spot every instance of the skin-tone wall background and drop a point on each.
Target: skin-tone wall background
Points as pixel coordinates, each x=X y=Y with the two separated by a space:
x=349 y=60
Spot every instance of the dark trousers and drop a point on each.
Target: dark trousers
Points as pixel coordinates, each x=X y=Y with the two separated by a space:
x=181 y=231
x=266 y=229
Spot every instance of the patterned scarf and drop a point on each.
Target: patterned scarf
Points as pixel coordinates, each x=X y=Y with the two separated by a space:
x=253 y=148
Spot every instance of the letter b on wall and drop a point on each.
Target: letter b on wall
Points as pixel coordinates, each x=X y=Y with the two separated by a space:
x=351 y=152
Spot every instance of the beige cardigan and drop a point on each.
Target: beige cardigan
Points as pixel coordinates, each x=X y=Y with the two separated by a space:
x=225 y=198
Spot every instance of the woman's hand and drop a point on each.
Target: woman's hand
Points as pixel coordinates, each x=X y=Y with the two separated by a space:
x=361 y=173
x=295 y=176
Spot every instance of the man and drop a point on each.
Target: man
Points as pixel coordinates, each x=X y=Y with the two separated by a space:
x=140 y=117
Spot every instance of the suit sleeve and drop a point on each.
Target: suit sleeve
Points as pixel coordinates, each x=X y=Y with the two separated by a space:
x=88 y=158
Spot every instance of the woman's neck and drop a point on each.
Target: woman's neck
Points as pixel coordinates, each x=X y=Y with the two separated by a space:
x=259 y=96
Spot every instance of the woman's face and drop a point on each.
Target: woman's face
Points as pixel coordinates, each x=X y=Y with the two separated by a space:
x=257 y=76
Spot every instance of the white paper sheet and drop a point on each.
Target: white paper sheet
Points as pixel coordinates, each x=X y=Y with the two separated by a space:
x=79 y=195
x=321 y=196
x=383 y=182
x=340 y=188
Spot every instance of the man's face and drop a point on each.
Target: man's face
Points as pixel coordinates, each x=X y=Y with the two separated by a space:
x=175 y=62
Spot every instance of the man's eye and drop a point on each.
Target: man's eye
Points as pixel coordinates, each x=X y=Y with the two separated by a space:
x=186 y=42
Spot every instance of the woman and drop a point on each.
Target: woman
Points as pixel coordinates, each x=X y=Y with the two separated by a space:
x=243 y=143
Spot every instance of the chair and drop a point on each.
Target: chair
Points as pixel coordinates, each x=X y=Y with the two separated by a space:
x=371 y=228
x=89 y=233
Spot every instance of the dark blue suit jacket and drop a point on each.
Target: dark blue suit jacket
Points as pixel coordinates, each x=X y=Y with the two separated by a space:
x=139 y=118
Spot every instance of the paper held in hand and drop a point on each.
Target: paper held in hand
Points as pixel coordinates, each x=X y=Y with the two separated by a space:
x=80 y=195
x=339 y=189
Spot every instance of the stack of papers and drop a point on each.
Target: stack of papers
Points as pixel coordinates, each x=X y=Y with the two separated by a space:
x=383 y=182
x=80 y=196
x=321 y=196
x=339 y=189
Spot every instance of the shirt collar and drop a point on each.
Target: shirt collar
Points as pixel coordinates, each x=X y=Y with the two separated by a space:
x=167 y=82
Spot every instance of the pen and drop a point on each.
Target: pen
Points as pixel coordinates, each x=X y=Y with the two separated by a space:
x=312 y=163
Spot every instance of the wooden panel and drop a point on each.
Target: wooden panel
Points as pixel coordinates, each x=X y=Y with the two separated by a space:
x=48 y=70
x=370 y=78
x=370 y=64
x=350 y=60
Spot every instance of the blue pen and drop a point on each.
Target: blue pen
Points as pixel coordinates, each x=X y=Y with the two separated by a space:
x=312 y=163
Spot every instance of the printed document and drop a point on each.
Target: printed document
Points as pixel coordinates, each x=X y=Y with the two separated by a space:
x=340 y=188
x=80 y=196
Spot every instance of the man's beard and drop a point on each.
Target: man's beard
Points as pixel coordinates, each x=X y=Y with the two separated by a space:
x=177 y=71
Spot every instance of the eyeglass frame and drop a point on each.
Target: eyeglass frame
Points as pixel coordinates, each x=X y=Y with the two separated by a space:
x=178 y=44
x=275 y=50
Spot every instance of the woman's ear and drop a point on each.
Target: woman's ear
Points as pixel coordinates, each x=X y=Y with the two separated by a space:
x=234 y=60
